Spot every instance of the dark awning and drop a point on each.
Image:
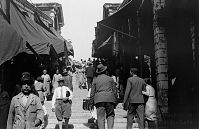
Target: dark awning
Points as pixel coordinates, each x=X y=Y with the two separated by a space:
x=39 y=38
x=108 y=41
x=68 y=44
x=28 y=31
x=127 y=11
x=118 y=22
x=11 y=43
x=111 y=24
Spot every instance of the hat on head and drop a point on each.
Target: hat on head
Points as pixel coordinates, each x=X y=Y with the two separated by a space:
x=40 y=79
x=65 y=70
x=26 y=78
x=25 y=74
x=101 y=68
x=61 y=79
x=89 y=63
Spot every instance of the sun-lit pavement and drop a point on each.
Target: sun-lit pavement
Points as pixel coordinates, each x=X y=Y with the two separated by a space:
x=79 y=118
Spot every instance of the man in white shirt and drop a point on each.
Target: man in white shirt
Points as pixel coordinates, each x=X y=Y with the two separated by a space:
x=61 y=103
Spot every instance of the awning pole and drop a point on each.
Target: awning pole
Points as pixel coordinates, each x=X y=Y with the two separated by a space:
x=66 y=53
x=117 y=30
x=33 y=51
x=139 y=44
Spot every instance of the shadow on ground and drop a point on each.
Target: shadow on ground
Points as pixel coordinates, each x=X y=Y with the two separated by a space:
x=70 y=126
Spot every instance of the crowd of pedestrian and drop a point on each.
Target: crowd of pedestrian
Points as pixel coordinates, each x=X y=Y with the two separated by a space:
x=27 y=109
x=105 y=89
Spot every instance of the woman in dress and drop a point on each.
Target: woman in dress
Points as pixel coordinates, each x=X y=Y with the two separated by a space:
x=151 y=104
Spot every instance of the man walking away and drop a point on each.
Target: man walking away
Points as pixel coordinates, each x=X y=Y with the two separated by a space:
x=67 y=79
x=104 y=94
x=89 y=74
x=133 y=96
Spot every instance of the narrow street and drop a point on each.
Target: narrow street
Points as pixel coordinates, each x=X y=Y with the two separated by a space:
x=79 y=118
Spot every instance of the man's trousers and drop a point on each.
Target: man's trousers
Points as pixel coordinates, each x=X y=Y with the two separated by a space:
x=105 y=109
x=133 y=109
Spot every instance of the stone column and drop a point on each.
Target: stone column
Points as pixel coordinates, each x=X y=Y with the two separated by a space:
x=194 y=30
x=161 y=57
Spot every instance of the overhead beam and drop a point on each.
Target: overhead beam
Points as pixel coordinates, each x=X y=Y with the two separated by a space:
x=30 y=6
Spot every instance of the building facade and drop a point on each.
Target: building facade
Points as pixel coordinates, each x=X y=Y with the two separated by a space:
x=109 y=9
x=166 y=31
x=55 y=12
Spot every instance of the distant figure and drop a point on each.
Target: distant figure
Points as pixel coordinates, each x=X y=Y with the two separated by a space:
x=56 y=77
x=40 y=88
x=115 y=77
x=47 y=82
x=82 y=78
x=133 y=96
x=25 y=110
x=89 y=72
x=61 y=103
x=104 y=95
x=67 y=79
x=4 y=107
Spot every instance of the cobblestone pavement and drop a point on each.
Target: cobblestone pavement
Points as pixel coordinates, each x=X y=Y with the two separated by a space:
x=79 y=118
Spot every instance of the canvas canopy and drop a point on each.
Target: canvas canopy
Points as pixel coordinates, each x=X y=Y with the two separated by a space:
x=106 y=42
x=11 y=43
x=113 y=23
x=38 y=37
x=68 y=44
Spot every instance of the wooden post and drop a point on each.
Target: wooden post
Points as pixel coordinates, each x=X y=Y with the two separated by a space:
x=66 y=54
x=34 y=52
x=161 y=57
x=8 y=9
x=140 y=54
x=2 y=74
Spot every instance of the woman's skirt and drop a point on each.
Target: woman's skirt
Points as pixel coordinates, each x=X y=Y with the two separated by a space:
x=151 y=109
